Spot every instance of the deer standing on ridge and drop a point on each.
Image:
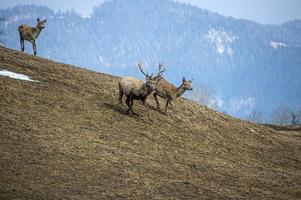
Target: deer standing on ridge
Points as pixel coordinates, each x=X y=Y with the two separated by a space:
x=170 y=92
x=31 y=34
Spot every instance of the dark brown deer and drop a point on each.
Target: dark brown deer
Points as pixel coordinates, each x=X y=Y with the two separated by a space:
x=133 y=89
x=31 y=34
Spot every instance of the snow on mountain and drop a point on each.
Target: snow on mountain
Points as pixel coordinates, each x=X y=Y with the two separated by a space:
x=221 y=40
x=277 y=45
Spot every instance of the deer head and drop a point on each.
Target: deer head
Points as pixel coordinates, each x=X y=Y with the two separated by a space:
x=187 y=84
x=41 y=24
x=151 y=81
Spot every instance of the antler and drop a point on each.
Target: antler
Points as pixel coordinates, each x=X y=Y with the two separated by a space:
x=140 y=67
x=160 y=70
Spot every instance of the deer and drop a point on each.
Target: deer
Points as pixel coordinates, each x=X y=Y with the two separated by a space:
x=135 y=89
x=168 y=91
x=31 y=34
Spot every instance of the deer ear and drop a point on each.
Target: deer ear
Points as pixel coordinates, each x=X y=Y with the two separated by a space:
x=191 y=80
x=38 y=19
x=45 y=21
x=184 y=79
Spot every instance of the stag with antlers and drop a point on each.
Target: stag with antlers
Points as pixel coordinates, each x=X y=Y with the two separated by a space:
x=133 y=89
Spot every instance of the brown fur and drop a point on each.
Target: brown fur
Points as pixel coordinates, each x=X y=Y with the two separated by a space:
x=31 y=34
x=168 y=91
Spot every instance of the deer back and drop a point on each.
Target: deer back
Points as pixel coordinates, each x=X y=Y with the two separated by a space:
x=27 y=32
x=130 y=85
x=164 y=88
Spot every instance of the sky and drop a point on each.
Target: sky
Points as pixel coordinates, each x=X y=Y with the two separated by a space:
x=261 y=11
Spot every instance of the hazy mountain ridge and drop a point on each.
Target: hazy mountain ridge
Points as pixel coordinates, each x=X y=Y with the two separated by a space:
x=247 y=66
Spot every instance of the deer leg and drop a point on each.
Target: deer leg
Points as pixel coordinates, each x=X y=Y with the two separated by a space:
x=22 y=44
x=167 y=102
x=33 y=42
x=156 y=99
x=146 y=106
x=127 y=101
x=120 y=96
x=35 y=48
x=23 y=47
x=130 y=104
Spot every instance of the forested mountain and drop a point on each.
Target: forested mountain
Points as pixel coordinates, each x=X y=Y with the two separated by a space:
x=238 y=66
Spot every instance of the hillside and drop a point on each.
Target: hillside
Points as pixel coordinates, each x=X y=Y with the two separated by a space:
x=65 y=137
x=246 y=66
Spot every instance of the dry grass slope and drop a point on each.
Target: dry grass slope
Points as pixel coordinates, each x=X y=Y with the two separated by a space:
x=65 y=137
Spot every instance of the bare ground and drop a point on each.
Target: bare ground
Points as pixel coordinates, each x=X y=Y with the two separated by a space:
x=65 y=137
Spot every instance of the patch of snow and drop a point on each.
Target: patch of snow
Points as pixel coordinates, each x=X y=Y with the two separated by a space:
x=277 y=45
x=221 y=40
x=220 y=48
x=16 y=75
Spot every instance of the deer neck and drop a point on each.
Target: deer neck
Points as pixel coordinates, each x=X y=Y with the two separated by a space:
x=180 y=91
x=145 y=90
x=37 y=32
